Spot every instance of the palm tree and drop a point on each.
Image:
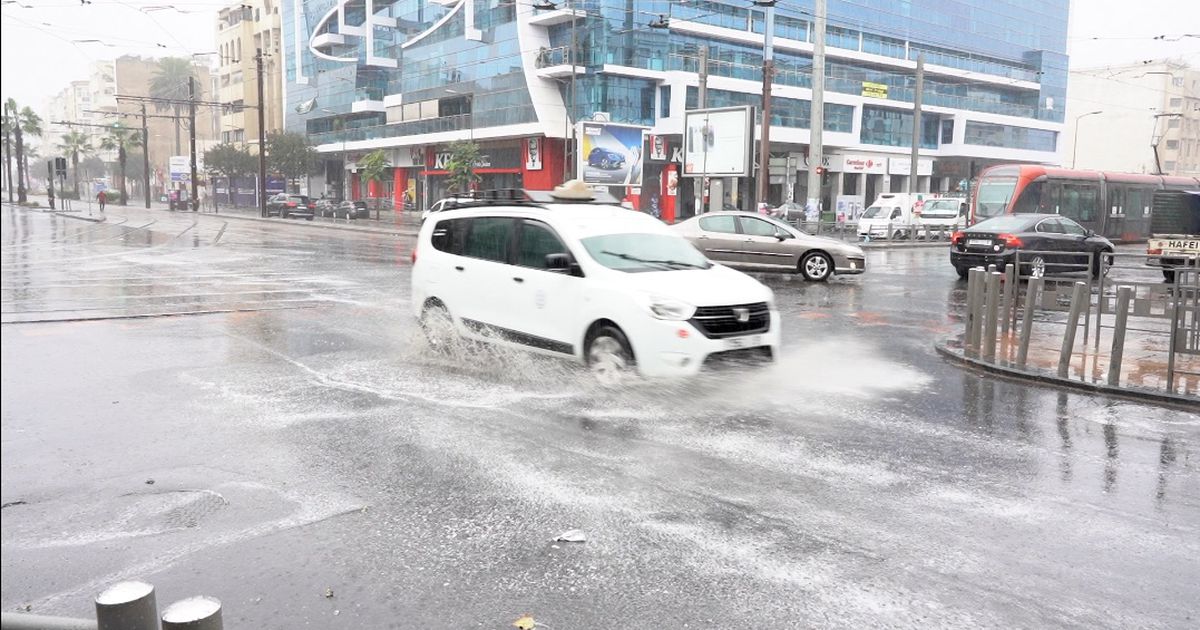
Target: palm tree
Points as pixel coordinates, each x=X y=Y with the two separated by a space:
x=76 y=143
x=171 y=81
x=8 y=134
x=19 y=142
x=118 y=137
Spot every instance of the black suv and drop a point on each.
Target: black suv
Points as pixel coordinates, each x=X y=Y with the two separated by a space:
x=286 y=205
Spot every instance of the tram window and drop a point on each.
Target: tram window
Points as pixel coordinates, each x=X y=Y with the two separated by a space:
x=1079 y=202
x=1030 y=199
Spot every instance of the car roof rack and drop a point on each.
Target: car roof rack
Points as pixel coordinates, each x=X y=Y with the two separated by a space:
x=520 y=196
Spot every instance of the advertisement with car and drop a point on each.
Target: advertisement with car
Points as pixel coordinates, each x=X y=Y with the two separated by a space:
x=610 y=154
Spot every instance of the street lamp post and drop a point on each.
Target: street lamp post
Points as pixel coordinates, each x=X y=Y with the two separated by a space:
x=1075 y=146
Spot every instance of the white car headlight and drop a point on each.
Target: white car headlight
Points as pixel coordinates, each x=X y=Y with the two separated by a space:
x=671 y=309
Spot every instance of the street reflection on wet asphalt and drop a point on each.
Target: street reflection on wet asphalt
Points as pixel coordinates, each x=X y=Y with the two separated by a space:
x=860 y=481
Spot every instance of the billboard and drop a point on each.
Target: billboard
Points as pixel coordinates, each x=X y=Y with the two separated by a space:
x=610 y=154
x=718 y=142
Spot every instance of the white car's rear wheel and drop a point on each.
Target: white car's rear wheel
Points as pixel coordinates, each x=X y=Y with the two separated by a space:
x=438 y=327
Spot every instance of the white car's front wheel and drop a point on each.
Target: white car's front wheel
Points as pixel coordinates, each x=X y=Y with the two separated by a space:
x=609 y=357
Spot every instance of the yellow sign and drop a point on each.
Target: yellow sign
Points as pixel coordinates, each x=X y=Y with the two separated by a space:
x=874 y=90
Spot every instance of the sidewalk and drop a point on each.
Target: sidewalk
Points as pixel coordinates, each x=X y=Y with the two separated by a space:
x=1143 y=368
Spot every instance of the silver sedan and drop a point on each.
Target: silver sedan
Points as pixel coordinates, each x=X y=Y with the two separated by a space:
x=759 y=243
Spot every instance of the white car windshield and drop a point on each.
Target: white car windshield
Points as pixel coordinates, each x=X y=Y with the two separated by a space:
x=634 y=253
x=872 y=212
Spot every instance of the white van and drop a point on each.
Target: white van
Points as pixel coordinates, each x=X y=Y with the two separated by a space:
x=616 y=290
x=890 y=217
x=902 y=215
x=943 y=215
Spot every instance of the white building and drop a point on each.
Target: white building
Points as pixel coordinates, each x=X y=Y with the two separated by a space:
x=1118 y=116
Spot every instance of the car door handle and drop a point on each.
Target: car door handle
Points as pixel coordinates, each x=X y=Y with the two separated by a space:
x=703 y=237
x=458 y=267
x=516 y=279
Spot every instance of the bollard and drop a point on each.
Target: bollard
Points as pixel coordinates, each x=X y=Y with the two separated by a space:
x=1068 y=346
x=992 y=304
x=1118 y=341
x=1032 y=293
x=977 y=318
x=972 y=316
x=1007 y=313
x=127 y=606
x=193 y=613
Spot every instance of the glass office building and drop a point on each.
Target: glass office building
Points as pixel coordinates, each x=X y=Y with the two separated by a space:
x=412 y=76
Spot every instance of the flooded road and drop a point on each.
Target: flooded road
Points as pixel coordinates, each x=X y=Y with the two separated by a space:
x=248 y=411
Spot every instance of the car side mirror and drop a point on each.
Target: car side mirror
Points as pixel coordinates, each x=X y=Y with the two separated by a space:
x=558 y=262
x=782 y=236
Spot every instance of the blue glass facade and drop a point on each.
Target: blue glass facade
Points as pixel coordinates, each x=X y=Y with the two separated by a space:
x=1004 y=57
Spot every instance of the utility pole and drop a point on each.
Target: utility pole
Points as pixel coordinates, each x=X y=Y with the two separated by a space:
x=816 y=144
x=194 y=201
x=764 y=151
x=262 y=137
x=145 y=157
x=916 y=137
x=702 y=102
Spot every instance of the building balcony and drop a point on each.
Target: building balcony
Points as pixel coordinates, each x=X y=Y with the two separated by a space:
x=329 y=39
x=557 y=16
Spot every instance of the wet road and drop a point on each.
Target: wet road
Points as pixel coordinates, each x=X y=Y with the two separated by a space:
x=299 y=439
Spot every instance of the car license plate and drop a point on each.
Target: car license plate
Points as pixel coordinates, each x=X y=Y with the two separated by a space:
x=975 y=242
x=749 y=341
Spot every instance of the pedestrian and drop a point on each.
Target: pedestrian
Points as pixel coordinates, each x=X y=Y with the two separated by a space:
x=101 y=197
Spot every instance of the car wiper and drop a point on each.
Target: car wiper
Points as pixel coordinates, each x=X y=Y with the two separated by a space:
x=648 y=261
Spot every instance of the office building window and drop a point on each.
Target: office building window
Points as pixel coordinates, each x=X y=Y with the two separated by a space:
x=894 y=128
x=1172 y=145
x=1010 y=137
x=664 y=101
x=1169 y=165
x=948 y=131
x=1173 y=123
x=1176 y=103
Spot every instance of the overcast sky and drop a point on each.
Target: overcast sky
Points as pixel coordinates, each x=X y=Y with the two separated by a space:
x=38 y=58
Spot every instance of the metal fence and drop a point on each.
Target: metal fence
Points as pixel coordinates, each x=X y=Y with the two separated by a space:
x=1062 y=291
x=848 y=231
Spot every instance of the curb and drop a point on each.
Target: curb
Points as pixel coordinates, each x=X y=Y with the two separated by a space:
x=310 y=224
x=1162 y=398
x=77 y=217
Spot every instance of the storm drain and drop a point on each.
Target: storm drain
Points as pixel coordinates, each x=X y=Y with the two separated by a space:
x=191 y=507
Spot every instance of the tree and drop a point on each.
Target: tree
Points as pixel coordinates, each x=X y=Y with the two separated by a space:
x=170 y=81
x=290 y=155
x=119 y=137
x=374 y=165
x=464 y=156
x=230 y=161
x=76 y=143
x=22 y=121
x=9 y=122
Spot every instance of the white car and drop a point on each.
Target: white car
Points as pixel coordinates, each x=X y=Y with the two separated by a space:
x=613 y=289
x=443 y=204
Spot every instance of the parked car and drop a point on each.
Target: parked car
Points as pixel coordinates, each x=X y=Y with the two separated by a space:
x=352 y=210
x=1055 y=244
x=286 y=205
x=789 y=211
x=606 y=159
x=325 y=207
x=443 y=204
x=617 y=291
x=755 y=242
